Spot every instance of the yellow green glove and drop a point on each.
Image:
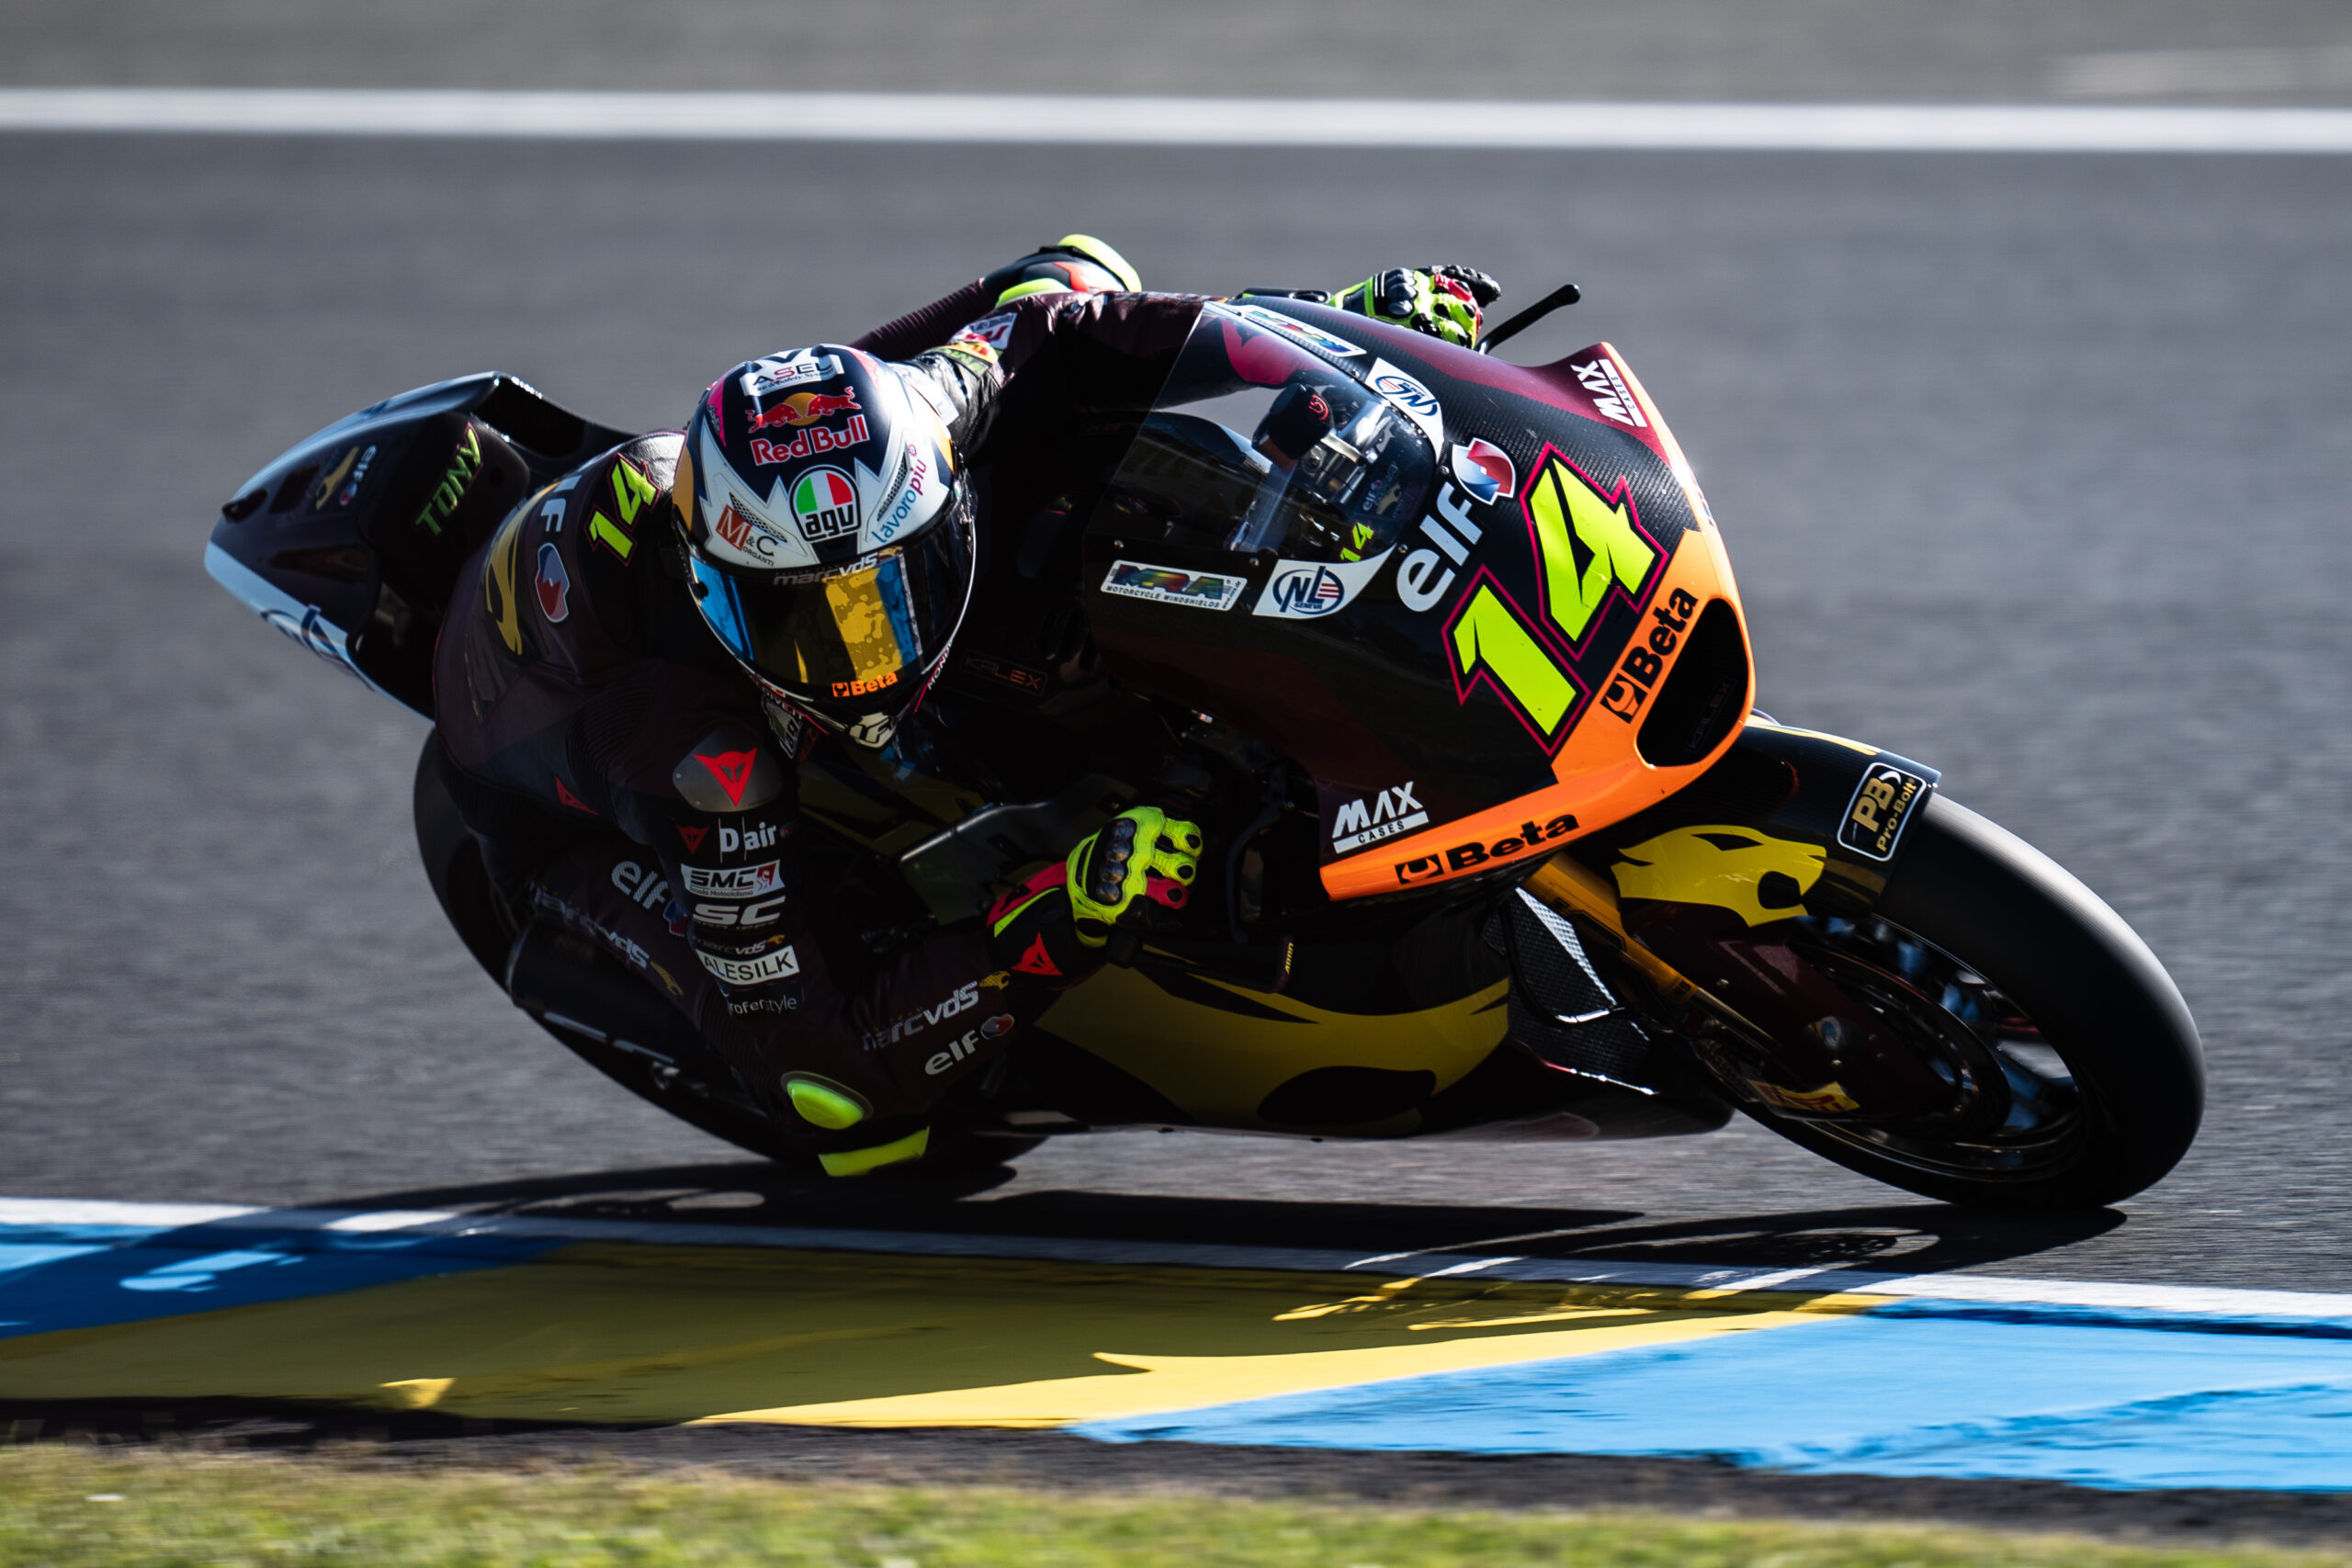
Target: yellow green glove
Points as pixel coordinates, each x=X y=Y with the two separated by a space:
x=1143 y=864
x=1443 y=301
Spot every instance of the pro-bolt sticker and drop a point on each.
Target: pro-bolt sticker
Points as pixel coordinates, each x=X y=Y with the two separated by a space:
x=1882 y=804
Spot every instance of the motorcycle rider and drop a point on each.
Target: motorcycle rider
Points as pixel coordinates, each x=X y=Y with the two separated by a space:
x=639 y=658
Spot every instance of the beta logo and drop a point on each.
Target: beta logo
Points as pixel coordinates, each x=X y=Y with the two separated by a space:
x=1882 y=803
x=736 y=881
x=1611 y=397
x=1486 y=471
x=1167 y=585
x=1631 y=683
x=809 y=443
x=825 y=505
x=1462 y=857
x=866 y=687
x=1384 y=815
x=554 y=584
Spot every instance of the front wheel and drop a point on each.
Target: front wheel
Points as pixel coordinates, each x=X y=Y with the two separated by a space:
x=2023 y=988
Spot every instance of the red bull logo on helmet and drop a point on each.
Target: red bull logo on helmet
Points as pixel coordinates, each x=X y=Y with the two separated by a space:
x=809 y=443
x=824 y=503
x=804 y=408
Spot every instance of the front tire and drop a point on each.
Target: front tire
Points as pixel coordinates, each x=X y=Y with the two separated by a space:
x=1986 y=944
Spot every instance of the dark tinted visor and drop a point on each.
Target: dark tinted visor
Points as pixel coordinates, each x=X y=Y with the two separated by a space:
x=857 y=637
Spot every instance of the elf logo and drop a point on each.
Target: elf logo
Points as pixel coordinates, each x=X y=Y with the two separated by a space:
x=1386 y=815
x=646 y=889
x=749 y=839
x=994 y=1029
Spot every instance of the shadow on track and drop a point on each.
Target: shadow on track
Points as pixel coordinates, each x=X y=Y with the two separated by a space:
x=1913 y=1237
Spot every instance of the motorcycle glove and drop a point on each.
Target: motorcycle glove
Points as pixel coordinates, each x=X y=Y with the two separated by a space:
x=1126 y=875
x=1444 y=301
x=1055 y=928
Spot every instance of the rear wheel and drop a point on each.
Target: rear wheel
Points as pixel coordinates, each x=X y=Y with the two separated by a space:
x=2072 y=1059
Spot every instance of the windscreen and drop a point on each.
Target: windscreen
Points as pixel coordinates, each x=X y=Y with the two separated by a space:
x=1255 y=444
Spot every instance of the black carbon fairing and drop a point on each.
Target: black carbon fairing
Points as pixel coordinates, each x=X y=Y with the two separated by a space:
x=349 y=541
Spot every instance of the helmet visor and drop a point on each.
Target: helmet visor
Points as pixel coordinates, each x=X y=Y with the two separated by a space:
x=859 y=636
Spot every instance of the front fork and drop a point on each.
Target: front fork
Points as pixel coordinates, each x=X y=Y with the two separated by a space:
x=1699 y=908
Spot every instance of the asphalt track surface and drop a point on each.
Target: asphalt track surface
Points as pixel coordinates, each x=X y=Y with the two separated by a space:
x=2032 y=469
x=2252 y=51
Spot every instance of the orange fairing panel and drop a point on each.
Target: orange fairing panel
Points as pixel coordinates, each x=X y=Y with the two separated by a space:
x=1602 y=622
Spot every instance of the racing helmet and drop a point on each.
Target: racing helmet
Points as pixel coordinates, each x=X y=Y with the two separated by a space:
x=828 y=534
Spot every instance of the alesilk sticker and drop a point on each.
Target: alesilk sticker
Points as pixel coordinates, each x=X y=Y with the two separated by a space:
x=775 y=965
x=1167 y=585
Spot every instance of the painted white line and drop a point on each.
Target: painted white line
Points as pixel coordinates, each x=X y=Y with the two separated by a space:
x=204 y=1223
x=1171 y=121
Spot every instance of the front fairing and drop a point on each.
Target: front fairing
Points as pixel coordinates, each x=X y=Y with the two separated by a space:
x=1547 y=642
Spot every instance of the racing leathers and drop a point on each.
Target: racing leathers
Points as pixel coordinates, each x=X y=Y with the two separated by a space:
x=627 y=782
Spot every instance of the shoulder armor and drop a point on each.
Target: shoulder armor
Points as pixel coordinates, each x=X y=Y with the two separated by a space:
x=729 y=771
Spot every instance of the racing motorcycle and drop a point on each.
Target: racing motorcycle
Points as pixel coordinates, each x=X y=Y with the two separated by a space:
x=1446 y=654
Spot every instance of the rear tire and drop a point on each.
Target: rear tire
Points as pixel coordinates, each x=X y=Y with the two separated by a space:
x=2102 y=1003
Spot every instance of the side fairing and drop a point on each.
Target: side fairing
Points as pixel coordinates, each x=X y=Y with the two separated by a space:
x=1550 y=642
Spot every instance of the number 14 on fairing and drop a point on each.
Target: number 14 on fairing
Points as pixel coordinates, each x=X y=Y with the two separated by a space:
x=1588 y=546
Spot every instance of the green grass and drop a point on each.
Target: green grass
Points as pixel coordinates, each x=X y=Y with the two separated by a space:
x=68 y=1506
